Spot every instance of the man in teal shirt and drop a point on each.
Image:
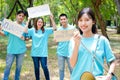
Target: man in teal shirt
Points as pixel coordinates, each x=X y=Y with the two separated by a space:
x=62 y=49
x=16 y=48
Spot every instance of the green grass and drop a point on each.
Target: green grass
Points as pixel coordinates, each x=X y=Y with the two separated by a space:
x=27 y=72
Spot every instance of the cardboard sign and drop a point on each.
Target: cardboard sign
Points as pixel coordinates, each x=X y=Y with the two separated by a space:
x=63 y=35
x=12 y=27
x=38 y=11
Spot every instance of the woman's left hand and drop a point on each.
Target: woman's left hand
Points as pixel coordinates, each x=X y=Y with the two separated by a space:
x=51 y=16
x=108 y=76
x=77 y=37
x=22 y=37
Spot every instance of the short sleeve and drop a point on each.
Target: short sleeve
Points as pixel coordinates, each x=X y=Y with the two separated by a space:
x=71 y=47
x=108 y=51
x=49 y=30
x=6 y=33
x=30 y=31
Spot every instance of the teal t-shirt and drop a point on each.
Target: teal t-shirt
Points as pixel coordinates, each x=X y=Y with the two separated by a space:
x=86 y=62
x=15 y=44
x=39 y=42
x=62 y=48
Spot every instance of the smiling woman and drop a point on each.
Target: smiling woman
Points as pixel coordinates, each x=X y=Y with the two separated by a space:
x=39 y=51
x=91 y=49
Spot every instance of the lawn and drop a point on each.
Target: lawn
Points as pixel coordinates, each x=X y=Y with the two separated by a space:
x=27 y=72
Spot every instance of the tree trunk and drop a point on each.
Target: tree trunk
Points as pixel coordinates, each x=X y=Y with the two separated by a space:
x=17 y=1
x=31 y=21
x=20 y=5
x=118 y=29
x=118 y=8
x=118 y=5
x=12 y=9
x=101 y=22
x=30 y=3
x=96 y=5
x=118 y=25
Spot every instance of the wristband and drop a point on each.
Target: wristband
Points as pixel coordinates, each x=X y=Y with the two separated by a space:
x=111 y=73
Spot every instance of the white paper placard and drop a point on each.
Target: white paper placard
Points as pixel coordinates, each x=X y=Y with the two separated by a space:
x=63 y=35
x=38 y=11
x=12 y=27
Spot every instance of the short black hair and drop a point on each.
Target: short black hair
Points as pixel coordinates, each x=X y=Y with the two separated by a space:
x=22 y=11
x=63 y=15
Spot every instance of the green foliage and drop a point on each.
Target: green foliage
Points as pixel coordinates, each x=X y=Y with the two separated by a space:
x=2 y=8
x=9 y=5
x=70 y=7
x=108 y=9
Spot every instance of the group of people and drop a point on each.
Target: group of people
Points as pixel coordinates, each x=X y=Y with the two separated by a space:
x=39 y=51
x=78 y=58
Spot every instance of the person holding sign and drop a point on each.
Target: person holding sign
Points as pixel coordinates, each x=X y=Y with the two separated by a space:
x=62 y=49
x=39 y=53
x=89 y=50
x=16 y=48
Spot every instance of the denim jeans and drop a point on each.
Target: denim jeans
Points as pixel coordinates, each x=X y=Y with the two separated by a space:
x=61 y=64
x=43 y=60
x=9 y=61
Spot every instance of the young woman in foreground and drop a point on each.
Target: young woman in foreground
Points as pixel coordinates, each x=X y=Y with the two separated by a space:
x=88 y=44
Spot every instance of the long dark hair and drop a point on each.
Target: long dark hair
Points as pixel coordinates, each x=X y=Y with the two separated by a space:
x=35 y=24
x=91 y=14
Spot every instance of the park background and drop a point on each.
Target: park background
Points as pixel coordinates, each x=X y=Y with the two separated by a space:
x=108 y=22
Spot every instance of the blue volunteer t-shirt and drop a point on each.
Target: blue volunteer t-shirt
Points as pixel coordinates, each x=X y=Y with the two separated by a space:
x=86 y=62
x=15 y=44
x=39 y=42
x=62 y=48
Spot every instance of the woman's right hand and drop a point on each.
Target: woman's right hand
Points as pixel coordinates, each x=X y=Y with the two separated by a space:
x=1 y=32
x=77 y=37
x=51 y=16
x=26 y=26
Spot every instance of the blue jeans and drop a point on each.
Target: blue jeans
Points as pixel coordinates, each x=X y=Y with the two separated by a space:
x=43 y=60
x=61 y=65
x=9 y=61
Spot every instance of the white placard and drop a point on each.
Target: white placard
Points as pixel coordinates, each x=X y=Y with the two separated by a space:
x=38 y=11
x=12 y=27
x=63 y=35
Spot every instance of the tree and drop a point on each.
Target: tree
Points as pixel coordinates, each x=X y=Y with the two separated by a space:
x=118 y=5
x=103 y=9
x=96 y=6
x=16 y=2
x=2 y=9
x=118 y=8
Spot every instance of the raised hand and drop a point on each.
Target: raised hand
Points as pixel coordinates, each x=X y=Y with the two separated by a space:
x=27 y=23
x=77 y=37
x=53 y=22
x=0 y=28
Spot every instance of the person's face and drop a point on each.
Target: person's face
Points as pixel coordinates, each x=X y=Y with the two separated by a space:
x=85 y=23
x=20 y=17
x=63 y=20
x=39 y=23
